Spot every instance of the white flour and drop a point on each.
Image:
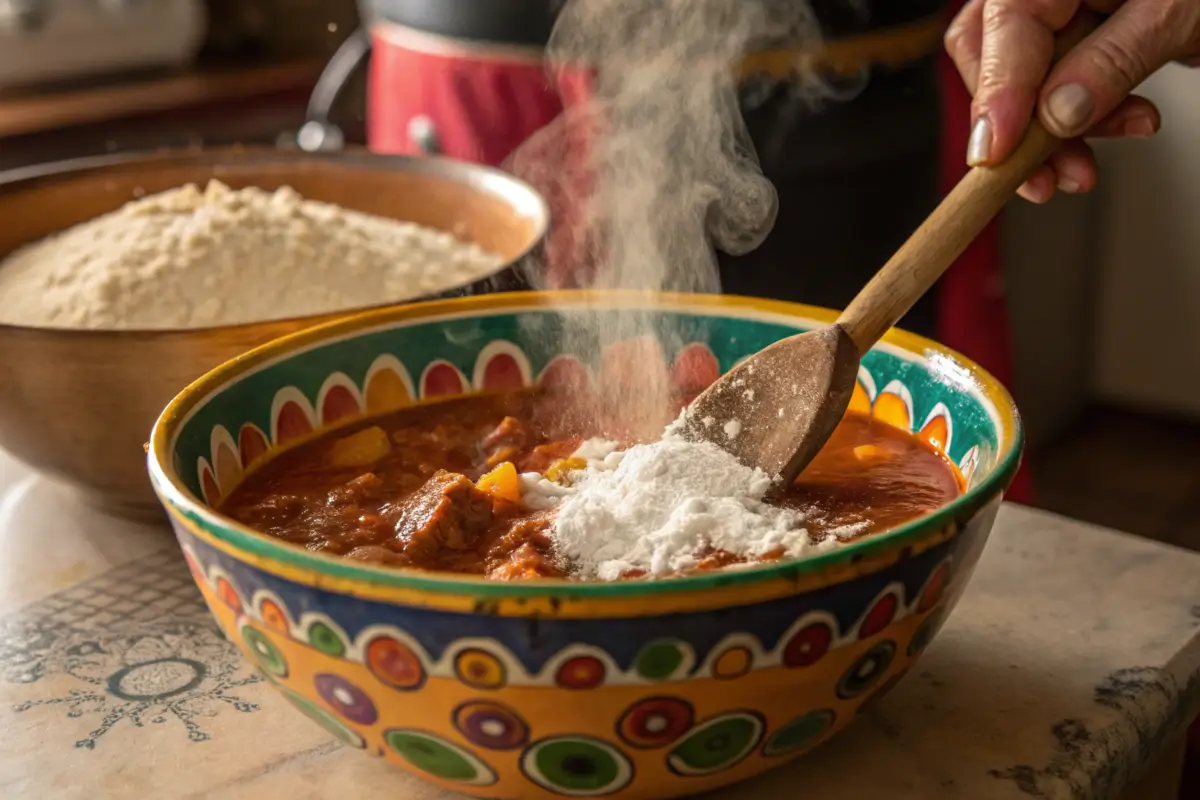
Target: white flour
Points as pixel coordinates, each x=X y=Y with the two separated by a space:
x=188 y=258
x=657 y=507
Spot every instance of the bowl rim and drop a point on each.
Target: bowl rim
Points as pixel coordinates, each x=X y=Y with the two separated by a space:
x=521 y=197
x=179 y=501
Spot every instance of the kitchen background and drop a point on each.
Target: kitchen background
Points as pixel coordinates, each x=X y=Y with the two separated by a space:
x=1104 y=290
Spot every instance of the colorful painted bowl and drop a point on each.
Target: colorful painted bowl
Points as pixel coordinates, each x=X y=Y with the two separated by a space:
x=640 y=689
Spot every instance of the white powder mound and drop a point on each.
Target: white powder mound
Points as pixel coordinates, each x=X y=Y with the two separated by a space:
x=188 y=258
x=657 y=507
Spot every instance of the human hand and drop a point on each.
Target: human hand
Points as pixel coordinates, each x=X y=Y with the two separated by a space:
x=1003 y=50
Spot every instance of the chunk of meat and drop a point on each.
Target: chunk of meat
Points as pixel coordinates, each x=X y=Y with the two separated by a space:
x=511 y=432
x=524 y=550
x=502 y=455
x=367 y=486
x=449 y=512
x=541 y=457
x=275 y=511
x=527 y=561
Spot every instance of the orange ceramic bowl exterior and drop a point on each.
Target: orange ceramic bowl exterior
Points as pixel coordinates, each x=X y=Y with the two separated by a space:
x=639 y=689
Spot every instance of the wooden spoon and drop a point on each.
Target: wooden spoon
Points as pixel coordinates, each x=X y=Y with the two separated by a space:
x=778 y=408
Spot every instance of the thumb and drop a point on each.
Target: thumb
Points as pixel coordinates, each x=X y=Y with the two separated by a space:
x=1093 y=79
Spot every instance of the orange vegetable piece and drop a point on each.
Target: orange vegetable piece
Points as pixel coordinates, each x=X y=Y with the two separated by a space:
x=502 y=482
x=559 y=469
x=361 y=449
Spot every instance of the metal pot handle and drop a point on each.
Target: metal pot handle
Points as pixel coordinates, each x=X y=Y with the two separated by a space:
x=319 y=134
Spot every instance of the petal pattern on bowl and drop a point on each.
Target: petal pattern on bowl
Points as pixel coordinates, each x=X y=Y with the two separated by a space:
x=695 y=369
x=442 y=379
x=208 y=483
x=880 y=614
x=339 y=399
x=501 y=367
x=969 y=463
x=388 y=386
x=252 y=444
x=935 y=587
x=867 y=381
x=633 y=368
x=859 y=401
x=717 y=662
x=864 y=392
x=272 y=611
x=292 y=416
x=566 y=373
x=229 y=595
x=227 y=464
x=938 y=429
x=894 y=406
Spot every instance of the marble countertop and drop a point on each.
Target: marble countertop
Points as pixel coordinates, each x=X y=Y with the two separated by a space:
x=1072 y=662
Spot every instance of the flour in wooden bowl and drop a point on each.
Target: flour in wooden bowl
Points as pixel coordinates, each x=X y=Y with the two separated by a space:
x=188 y=258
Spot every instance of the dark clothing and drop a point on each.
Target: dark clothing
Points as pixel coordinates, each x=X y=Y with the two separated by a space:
x=854 y=180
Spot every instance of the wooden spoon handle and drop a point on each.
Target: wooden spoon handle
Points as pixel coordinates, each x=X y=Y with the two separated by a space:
x=954 y=224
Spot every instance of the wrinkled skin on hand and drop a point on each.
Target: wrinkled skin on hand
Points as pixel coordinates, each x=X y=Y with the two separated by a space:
x=1003 y=50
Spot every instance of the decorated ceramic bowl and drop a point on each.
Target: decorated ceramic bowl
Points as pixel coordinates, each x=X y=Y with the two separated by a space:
x=548 y=688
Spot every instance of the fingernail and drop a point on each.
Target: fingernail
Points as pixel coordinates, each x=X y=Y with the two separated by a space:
x=1028 y=191
x=1139 y=127
x=979 y=149
x=1070 y=106
x=1069 y=186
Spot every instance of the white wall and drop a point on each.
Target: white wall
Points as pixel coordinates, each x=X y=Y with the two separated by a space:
x=1147 y=320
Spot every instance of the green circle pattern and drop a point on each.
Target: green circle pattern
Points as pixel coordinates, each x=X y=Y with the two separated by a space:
x=266 y=654
x=326 y=639
x=659 y=660
x=326 y=720
x=717 y=744
x=800 y=733
x=577 y=766
x=439 y=758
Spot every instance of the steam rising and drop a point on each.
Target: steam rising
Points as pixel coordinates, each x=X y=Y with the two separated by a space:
x=655 y=167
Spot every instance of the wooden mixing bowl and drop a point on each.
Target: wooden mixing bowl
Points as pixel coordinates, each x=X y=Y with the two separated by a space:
x=78 y=404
